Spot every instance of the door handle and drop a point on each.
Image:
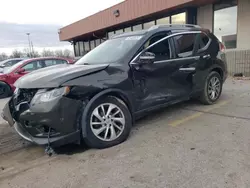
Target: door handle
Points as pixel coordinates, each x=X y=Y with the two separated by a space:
x=187 y=69
x=206 y=56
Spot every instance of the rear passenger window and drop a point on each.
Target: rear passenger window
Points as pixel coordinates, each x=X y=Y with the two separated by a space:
x=59 y=61
x=185 y=45
x=204 y=41
x=51 y=62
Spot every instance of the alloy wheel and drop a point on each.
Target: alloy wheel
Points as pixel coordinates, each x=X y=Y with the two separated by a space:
x=107 y=122
x=214 y=87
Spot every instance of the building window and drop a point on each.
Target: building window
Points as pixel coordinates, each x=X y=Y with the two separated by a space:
x=102 y=40
x=92 y=44
x=179 y=18
x=119 y=31
x=111 y=34
x=137 y=27
x=225 y=23
x=77 y=49
x=86 y=46
x=128 y=29
x=148 y=25
x=97 y=42
x=81 y=47
x=163 y=21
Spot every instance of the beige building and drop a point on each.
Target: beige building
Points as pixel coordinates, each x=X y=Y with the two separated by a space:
x=229 y=20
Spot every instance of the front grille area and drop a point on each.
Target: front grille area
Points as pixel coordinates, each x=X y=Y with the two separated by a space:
x=21 y=101
x=24 y=95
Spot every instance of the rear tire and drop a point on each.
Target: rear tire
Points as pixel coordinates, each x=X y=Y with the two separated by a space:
x=212 y=89
x=108 y=123
x=5 y=90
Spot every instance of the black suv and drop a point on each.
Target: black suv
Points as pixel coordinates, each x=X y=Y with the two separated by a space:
x=98 y=99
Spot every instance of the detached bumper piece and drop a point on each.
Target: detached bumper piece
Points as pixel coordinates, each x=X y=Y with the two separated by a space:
x=52 y=123
x=53 y=141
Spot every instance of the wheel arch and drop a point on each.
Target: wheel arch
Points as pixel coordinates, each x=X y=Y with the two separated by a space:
x=109 y=92
x=6 y=83
x=8 y=93
x=219 y=70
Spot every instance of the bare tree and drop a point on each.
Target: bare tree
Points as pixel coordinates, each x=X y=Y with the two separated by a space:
x=67 y=53
x=47 y=53
x=16 y=54
x=27 y=53
x=3 y=56
x=35 y=54
x=64 y=53
x=59 y=53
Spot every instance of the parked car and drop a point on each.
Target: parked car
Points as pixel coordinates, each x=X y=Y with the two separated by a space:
x=99 y=98
x=8 y=63
x=9 y=76
x=77 y=58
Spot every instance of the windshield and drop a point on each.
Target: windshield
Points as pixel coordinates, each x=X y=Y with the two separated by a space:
x=110 y=51
x=3 y=62
x=10 y=69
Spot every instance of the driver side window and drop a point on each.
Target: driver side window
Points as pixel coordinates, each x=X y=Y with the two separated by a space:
x=161 y=50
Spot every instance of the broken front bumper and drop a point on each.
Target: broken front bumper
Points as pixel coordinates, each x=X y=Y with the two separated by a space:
x=54 y=122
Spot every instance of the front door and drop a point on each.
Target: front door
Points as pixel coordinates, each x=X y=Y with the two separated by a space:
x=27 y=68
x=168 y=77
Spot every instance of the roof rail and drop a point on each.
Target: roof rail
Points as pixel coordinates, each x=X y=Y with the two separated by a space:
x=173 y=25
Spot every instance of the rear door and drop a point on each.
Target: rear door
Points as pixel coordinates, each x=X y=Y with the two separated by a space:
x=193 y=59
x=187 y=62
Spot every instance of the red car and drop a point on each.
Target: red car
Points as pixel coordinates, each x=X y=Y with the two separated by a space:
x=10 y=75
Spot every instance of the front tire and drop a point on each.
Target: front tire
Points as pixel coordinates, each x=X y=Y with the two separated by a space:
x=108 y=123
x=212 y=89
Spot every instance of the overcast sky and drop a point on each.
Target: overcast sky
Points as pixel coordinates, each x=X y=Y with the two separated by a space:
x=42 y=18
x=59 y=12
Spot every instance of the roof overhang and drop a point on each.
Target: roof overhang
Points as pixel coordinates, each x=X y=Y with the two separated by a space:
x=129 y=10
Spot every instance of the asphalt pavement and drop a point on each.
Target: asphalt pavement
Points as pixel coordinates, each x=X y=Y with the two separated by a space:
x=187 y=145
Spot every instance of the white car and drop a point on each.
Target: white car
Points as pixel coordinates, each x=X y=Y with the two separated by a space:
x=8 y=63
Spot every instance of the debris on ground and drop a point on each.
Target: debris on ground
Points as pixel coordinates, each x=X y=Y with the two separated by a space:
x=241 y=78
x=238 y=75
x=2 y=168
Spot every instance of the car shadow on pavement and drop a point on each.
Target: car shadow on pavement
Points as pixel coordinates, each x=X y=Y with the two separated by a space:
x=165 y=111
x=71 y=149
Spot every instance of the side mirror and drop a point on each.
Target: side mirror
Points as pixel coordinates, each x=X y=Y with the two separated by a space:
x=20 y=71
x=147 y=57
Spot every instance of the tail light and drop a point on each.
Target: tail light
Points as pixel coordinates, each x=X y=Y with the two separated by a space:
x=222 y=47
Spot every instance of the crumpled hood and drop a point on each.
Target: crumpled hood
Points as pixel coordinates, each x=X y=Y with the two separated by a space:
x=54 y=76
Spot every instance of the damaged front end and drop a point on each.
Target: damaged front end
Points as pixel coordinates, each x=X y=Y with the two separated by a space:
x=44 y=116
